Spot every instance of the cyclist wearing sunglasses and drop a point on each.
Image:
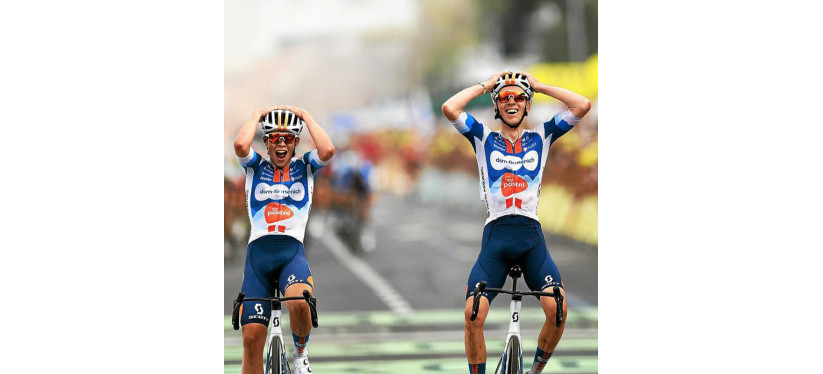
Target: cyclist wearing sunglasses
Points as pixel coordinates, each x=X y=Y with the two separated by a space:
x=278 y=198
x=511 y=163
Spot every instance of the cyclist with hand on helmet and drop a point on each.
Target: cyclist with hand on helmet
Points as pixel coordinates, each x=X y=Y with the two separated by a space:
x=511 y=163
x=278 y=197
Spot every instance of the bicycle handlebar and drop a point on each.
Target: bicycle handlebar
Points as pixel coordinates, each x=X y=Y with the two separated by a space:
x=558 y=299
x=307 y=297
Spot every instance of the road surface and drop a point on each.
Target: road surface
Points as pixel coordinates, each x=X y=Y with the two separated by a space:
x=399 y=307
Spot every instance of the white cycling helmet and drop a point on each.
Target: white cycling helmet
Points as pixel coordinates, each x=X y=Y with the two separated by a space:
x=512 y=79
x=281 y=120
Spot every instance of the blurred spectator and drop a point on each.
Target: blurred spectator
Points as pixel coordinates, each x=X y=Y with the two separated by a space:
x=235 y=223
x=351 y=182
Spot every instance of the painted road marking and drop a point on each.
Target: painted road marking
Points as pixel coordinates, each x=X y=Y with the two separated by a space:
x=428 y=341
x=565 y=365
x=370 y=277
x=576 y=318
x=328 y=351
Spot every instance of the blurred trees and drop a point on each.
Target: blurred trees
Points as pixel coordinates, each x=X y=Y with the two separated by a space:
x=541 y=28
x=446 y=29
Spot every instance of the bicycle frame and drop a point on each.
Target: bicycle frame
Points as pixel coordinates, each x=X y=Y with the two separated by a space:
x=513 y=334
x=275 y=330
x=513 y=340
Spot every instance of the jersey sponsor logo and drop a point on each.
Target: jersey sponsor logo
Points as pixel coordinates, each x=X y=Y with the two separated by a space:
x=499 y=161
x=277 y=212
x=295 y=175
x=264 y=191
x=550 y=282
x=511 y=183
x=528 y=141
x=293 y=279
x=258 y=308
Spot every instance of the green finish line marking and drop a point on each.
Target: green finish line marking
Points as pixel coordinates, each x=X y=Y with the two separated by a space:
x=338 y=353
x=568 y=365
x=388 y=348
x=428 y=317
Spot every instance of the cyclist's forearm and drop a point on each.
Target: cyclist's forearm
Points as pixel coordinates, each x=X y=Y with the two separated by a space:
x=242 y=143
x=578 y=104
x=325 y=148
x=455 y=104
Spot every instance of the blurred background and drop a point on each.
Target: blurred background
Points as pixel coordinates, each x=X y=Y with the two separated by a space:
x=397 y=219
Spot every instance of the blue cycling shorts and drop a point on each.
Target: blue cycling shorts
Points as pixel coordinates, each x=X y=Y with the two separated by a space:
x=271 y=261
x=513 y=240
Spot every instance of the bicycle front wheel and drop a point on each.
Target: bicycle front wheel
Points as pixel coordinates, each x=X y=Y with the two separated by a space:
x=274 y=358
x=514 y=356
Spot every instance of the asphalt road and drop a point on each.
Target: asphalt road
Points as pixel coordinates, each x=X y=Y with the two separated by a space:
x=398 y=308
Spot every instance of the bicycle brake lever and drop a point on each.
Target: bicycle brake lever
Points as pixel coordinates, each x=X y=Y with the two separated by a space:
x=476 y=293
x=235 y=314
x=312 y=307
x=558 y=298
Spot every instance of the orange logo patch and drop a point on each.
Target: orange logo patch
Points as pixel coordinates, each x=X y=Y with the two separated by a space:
x=511 y=183
x=277 y=212
x=311 y=281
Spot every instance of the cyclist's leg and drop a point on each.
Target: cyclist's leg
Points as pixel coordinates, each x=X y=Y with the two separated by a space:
x=473 y=336
x=489 y=267
x=294 y=278
x=541 y=273
x=254 y=315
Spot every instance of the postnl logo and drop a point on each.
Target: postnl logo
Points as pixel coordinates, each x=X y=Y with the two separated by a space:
x=511 y=184
x=277 y=212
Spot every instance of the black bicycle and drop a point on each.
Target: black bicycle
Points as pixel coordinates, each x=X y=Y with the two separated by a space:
x=512 y=359
x=275 y=360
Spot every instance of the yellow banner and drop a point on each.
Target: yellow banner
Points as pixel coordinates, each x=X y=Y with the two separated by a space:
x=580 y=77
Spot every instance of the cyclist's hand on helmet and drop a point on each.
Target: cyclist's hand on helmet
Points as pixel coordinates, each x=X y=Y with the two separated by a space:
x=532 y=80
x=299 y=112
x=258 y=114
x=489 y=83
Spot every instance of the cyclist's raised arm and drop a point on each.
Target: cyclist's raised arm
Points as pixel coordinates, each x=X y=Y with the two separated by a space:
x=455 y=104
x=242 y=143
x=578 y=104
x=325 y=149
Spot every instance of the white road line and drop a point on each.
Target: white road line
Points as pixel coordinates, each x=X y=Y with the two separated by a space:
x=370 y=277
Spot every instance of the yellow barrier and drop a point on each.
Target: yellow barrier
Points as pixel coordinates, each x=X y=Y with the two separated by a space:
x=580 y=77
x=560 y=213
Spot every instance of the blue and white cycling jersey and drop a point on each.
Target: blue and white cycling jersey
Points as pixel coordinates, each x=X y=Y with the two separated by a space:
x=278 y=201
x=510 y=173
